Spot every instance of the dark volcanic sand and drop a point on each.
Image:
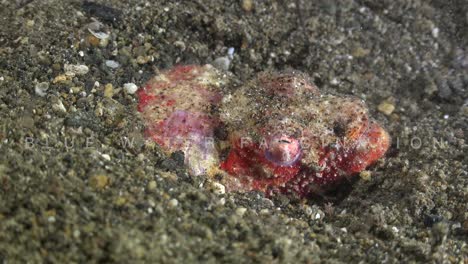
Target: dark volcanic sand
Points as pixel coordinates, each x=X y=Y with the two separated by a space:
x=62 y=202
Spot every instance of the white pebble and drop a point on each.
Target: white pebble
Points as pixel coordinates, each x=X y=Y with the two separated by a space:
x=59 y=107
x=112 y=64
x=218 y=188
x=95 y=26
x=76 y=233
x=180 y=44
x=72 y=70
x=173 y=203
x=130 y=88
x=140 y=156
x=264 y=212
x=106 y=157
x=435 y=32
x=222 y=201
x=241 y=211
x=41 y=88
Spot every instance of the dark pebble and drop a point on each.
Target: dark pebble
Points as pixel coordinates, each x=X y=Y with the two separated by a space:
x=102 y=12
x=83 y=119
x=431 y=219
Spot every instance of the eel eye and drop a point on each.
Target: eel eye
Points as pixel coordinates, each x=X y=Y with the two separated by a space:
x=283 y=150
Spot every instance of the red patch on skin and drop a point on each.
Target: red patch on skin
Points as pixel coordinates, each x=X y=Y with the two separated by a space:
x=170 y=102
x=377 y=141
x=249 y=162
x=183 y=73
x=144 y=99
x=339 y=164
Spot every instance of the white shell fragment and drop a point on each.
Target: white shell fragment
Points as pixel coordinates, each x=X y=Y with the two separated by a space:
x=41 y=88
x=130 y=88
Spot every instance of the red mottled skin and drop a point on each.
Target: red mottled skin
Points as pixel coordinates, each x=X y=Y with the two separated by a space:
x=249 y=160
x=174 y=121
x=282 y=135
x=335 y=164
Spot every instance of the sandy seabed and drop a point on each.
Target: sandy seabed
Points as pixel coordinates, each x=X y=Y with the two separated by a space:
x=105 y=201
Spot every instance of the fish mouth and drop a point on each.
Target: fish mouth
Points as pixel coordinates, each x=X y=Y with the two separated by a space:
x=283 y=150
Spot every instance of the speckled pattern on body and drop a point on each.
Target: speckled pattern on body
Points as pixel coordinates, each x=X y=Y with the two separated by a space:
x=79 y=182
